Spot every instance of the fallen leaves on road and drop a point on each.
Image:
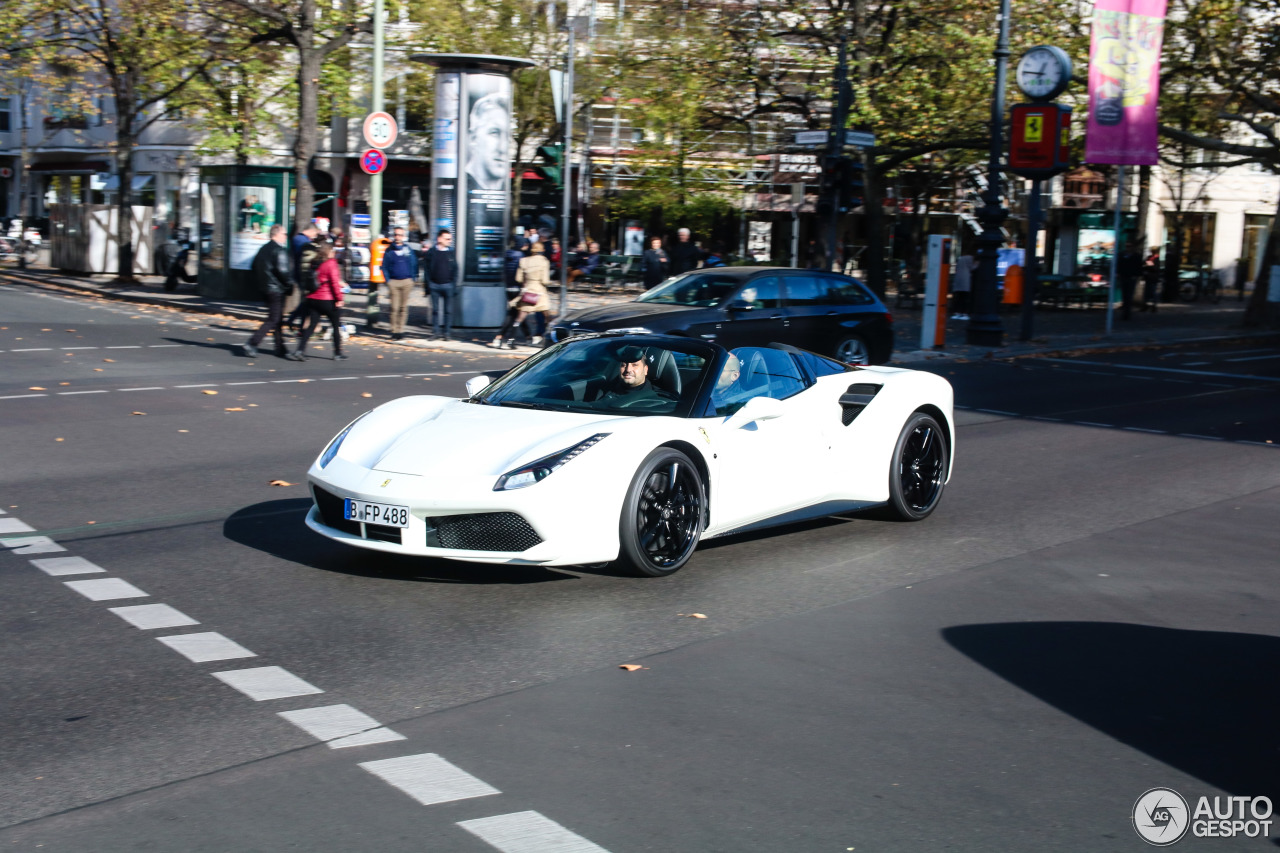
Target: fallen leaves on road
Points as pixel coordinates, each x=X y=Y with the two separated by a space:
x=631 y=667
x=37 y=388
x=366 y=394
x=59 y=439
x=137 y=413
x=46 y=330
x=235 y=409
x=184 y=430
x=64 y=383
x=110 y=360
x=97 y=370
x=70 y=330
x=693 y=615
x=279 y=483
x=208 y=391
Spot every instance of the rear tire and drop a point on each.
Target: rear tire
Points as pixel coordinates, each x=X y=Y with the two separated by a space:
x=853 y=350
x=921 y=459
x=662 y=515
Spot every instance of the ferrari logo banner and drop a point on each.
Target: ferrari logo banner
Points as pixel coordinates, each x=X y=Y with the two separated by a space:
x=1124 y=81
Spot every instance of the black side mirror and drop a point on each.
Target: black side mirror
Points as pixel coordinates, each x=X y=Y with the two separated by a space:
x=740 y=305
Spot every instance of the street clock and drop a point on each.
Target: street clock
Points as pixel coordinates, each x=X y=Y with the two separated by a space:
x=1044 y=72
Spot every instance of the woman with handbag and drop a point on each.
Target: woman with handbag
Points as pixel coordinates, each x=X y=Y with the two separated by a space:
x=324 y=301
x=533 y=276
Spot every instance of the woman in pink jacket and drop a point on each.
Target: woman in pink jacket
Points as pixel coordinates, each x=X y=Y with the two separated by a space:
x=326 y=301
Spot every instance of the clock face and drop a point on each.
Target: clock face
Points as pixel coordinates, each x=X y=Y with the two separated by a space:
x=1043 y=72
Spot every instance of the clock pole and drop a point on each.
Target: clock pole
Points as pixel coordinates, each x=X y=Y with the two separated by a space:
x=985 y=328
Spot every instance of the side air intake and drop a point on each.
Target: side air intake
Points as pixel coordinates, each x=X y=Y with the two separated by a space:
x=855 y=399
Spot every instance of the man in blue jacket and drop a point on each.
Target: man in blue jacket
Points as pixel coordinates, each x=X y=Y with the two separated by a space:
x=400 y=268
x=440 y=264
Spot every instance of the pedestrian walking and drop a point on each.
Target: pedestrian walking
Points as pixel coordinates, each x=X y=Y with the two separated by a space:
x=533 y=275
x=1151 y=281
x=1128 y=269
x=556 y=257
x=324 y=302
x=400 y=269
x=302 y=251
x=655 y=265
x=684 y=255
x=274 y=278
x=441 y=265
x=961 y=288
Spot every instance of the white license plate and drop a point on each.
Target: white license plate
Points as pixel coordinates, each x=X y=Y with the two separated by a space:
x=372 y=513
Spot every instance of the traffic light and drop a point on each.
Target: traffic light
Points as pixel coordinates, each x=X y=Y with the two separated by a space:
x=552 y=167
x=829 y=185
x=852 y=185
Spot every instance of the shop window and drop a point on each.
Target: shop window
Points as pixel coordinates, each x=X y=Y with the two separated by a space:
x=5 y=122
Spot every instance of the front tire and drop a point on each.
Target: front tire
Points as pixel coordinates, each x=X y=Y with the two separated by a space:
x=920 y=462
x=661 y=515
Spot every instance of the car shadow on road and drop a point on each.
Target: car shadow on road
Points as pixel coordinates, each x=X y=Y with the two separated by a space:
x=1203 y=702
x=277 y=528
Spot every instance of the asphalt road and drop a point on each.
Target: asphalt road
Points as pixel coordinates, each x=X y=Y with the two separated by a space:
x=1090 y=613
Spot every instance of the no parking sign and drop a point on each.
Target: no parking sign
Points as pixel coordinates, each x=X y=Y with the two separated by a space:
x=373 y=161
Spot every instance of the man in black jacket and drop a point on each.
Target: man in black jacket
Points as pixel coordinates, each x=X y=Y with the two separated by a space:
x=684 y=254
x=274 y=277
x=440 y=263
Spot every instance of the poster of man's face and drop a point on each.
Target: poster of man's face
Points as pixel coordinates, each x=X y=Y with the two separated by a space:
x=488 y=131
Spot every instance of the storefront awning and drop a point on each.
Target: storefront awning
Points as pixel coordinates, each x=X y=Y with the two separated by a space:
x=72 y=166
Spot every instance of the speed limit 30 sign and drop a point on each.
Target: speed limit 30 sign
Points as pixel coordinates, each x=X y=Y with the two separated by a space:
x=380 y=130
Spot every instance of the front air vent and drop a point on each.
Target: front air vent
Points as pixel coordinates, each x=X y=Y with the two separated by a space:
x=855 y=399
x=481 y=531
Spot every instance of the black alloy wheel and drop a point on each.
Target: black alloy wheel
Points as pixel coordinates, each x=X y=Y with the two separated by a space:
x=919 y=472
x=662 y=514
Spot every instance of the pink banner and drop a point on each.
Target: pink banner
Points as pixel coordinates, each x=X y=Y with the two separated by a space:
x=1124 y=82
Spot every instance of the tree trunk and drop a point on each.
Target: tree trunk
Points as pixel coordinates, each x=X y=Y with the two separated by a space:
x=305 y=146
x=1144 y=202
x=1259 y=312
x=873 y=210
x=125 y=109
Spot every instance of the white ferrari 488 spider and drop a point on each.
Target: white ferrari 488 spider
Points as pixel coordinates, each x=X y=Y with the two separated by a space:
x=633 y=448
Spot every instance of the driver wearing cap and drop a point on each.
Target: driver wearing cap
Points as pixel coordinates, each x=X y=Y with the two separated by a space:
x=631 y=386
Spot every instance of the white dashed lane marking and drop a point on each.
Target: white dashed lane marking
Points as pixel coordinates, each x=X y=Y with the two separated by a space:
x=66 y=566
x=106 y=589
x=429 y=779
x=266 y=682
x=528 y=832
x=32 y=545
x=151 y=616
x=148 y=388
x=340 y=726
x=73 y=393
x=22 y=396
x=206 y=646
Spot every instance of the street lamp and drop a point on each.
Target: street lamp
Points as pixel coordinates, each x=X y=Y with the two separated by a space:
x=985 y=328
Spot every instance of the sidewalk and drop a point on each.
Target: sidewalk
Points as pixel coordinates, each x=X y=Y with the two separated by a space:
x=150 y=291
x=1062 y=330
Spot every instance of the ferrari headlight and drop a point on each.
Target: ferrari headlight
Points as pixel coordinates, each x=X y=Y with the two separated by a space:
x=537 y=471
x=332 y=450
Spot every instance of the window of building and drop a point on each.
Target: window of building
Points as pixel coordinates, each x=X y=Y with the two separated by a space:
x=6 y=124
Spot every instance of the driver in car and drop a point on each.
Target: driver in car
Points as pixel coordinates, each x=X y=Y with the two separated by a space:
x=631 y=385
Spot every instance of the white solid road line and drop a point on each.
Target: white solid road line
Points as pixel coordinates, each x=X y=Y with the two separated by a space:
x=341 y=726
x=528 y=832
x=206 y=646
x=151 y=616
x=66 y=566
x=266 y=682
x=429 y=779
x=1247 y=377
x=13 y=525
x=106 y=589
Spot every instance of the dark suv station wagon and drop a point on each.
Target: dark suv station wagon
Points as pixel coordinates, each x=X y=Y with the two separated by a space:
x=754 y=306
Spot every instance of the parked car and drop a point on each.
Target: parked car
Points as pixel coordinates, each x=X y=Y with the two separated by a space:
x=754 y=306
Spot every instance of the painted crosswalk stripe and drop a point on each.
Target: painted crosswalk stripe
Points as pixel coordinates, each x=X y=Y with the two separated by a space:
x=106 y=589
x=206 y=646
x=528 y=832
x=13 y=525
x=429 y=779
x=32 y=545
x=340 y=726
x=266 y=682
x=151 y=616
x=66 y=566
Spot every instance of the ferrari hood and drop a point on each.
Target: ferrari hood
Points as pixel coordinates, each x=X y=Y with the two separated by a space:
x=468 y=439
x=632 y=313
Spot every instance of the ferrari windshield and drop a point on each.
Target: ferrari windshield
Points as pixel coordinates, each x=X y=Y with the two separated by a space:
x=695 y=289
x=611 y=375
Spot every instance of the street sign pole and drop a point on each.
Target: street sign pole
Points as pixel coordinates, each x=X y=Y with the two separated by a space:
x=379 y=44
x=1031 y=272
x=1115 y=248
x=566 y=173
x=985 y=328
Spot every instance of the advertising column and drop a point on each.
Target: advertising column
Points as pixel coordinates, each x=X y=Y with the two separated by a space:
x=487 y=163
